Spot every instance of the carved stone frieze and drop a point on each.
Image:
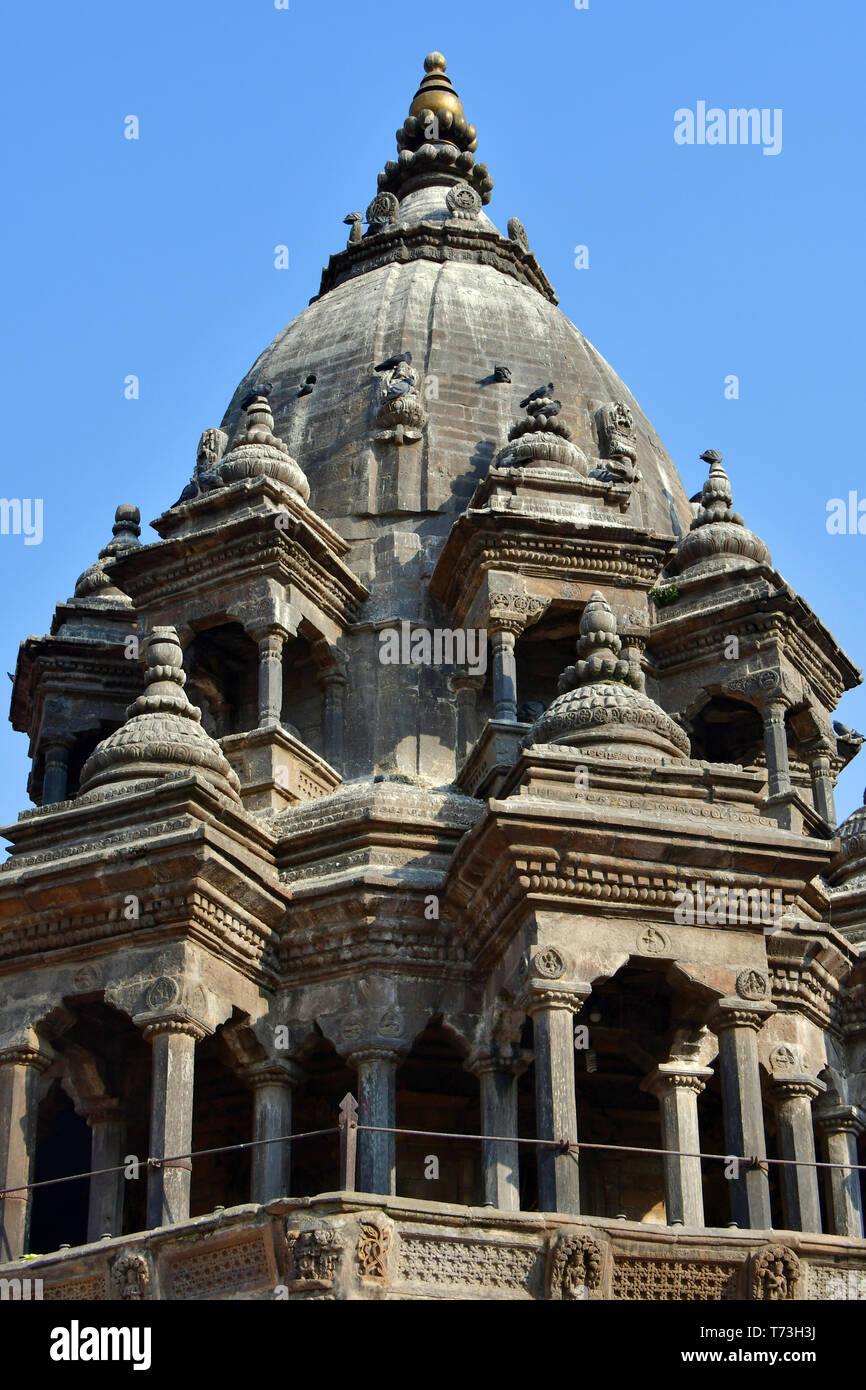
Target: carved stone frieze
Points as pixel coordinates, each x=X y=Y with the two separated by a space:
x=575 y=1265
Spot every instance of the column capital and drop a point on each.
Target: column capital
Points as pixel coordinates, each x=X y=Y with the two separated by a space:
x=739 y=1013
x=842 y=1119
x=273 y=1073
x=539 y=995
x=27 y=1055
x=374 y=1054
x=671 y=1076
x=483 y=1060
x=796 y=1086
x=185 y=1027
x=269 y=632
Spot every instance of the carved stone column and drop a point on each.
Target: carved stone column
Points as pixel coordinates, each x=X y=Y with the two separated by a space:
x=737 y=1023
x=20 y=1070
x=822 y=783
x=107 y=1132
x=502 y=640
x=172 y=1080
x=466 y=689
x=334 y=685
x=377 y=1105
x=56 y=776
x=500 y=1170
x=839 y=1128
x=776 y=747
x=273 y=1084
x=677 y=1087
x=792 y=1097
x=552 y=1002
x=271 y=644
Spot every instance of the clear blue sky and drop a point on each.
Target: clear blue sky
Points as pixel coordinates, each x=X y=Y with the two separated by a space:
x=261 y=126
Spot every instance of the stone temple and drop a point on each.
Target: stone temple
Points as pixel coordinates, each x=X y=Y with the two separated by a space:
x=439 y=752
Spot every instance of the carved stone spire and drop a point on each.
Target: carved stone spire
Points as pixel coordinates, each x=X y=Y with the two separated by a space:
x=257 y=451
x=541 y=437
x=162 y=734
x=602 y=700
x=717 y=530
x=95 y=582
x=436 y=143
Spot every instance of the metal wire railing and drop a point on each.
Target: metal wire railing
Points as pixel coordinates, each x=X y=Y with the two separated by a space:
x=348 y=1128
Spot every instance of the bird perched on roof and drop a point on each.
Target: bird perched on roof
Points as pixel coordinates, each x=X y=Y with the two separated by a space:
x=307 y=388
x=391 y=362
x=355 y=220
x=400 y=387
x=711 y=456
x=845 y=732
x=548 y=410
x=264 y=389
x=501 y=373
x=537 y=395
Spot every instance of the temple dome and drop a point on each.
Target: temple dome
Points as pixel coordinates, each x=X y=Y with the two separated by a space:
x=437 y=278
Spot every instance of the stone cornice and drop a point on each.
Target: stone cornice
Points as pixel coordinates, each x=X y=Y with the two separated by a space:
x=440 y=242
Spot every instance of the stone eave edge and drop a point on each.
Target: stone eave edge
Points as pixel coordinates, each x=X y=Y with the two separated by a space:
x=428 y=240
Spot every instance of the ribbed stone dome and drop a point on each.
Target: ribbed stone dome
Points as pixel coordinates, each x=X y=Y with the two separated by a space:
x=441 y=281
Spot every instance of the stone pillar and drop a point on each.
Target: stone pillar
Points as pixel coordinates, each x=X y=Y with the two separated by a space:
x=271 y=646
x=737 y=1024
x=377 y=1105
x=466 y=689
x=500 y=1169
x=105 y=1207
x=839 y=1128
x=552 y=1004
x=55 y=777
x=792 y=1097
x=172 y=1080
x=334 y=685
x=273 y=1084
x=20 y=1070
x=822 y=784
x=502 y=642
x=677 y=1087
x=776 y=747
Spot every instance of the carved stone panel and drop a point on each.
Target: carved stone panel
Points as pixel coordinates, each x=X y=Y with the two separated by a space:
x=314 y=1258
x=450 y=1263
x=676 y=1280
x=774 y=1274
x=575 y=1265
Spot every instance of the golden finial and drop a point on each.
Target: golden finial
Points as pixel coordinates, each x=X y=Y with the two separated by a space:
x=436 y=92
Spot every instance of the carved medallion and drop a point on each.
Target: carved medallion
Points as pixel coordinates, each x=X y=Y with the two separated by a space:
x=383 y=210
x=517 y=233
x=161 y=993
x=752 y=984
x=130 y=1275
x=314 y=1255
x=652 y=942
x=783 y=1059
x=549 y=963
x=463 y=201
x=87 y=978
x=574 y=1267
x=390 y=1024
x=775 y=1274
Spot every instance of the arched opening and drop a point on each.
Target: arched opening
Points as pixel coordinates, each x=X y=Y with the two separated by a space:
x=59 y=1212
x=222 y=1116
x=435 y=1092
x=302 y=694
x=222 y=678
x=315 y=1105
x=728 y=731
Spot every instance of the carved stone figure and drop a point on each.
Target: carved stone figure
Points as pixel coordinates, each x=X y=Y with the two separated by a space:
x=775 y=1274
